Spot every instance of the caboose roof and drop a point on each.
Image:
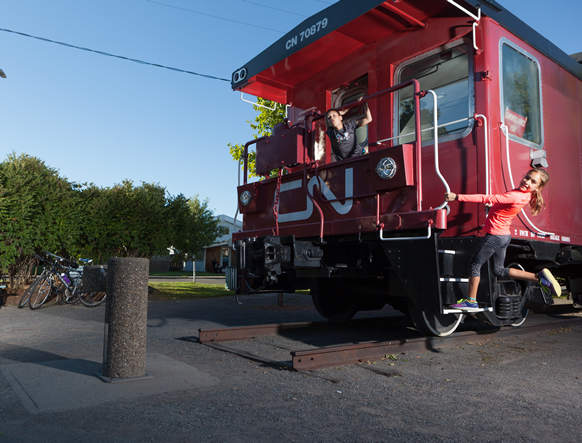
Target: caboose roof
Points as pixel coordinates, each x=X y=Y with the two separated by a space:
x=350 y=25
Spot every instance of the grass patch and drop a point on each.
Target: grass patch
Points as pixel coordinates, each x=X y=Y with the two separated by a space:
x=186 y=291
x=183 y=274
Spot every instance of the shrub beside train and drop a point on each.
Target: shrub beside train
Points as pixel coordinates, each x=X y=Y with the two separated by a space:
x=464 y=97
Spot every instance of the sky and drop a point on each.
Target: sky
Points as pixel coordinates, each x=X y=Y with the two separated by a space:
x=101 y=119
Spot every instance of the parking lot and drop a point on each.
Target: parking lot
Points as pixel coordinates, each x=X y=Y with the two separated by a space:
x=523 y=388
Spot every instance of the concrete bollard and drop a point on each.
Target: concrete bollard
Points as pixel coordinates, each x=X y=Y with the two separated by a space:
x=124 y=353
x=94 y=278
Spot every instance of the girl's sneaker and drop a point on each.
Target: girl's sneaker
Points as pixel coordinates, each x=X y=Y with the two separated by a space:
x=548 y=283
x=465 y=305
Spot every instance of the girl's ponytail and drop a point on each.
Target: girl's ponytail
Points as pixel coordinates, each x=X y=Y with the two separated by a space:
x=536 y=204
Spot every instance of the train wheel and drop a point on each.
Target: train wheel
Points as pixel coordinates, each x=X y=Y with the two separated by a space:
x=334 y=304
x=430 y=323
x=491 y=318
x=519 y=322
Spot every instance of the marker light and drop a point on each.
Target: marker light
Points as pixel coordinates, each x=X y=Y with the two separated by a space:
x=386 y=168
x=240 y=75
x=245 y=198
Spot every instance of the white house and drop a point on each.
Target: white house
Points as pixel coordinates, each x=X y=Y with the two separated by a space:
x=221 y=250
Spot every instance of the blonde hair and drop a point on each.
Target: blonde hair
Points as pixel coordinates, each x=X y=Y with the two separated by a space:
x=536 y=204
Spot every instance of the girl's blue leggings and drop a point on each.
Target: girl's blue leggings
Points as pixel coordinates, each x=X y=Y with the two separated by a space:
x=491 y=246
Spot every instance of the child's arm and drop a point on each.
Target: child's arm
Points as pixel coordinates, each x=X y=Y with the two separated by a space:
x=367 y=119
x=507 y=198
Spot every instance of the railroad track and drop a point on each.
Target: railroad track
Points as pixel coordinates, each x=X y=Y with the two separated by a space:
x=397 y=337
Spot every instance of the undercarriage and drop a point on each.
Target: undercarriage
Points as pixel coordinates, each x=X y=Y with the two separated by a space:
x=419 y=278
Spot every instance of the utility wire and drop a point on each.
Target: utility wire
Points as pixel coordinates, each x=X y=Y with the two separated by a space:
x=276 y=9
x=116 y=56
x=215 y=16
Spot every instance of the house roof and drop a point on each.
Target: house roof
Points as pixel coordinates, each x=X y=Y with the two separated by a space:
x=230 y=220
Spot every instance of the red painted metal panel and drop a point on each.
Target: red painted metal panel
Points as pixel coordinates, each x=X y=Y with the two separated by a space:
x=308 y=81
x=403 y=157
x=283 y=148
x=256 y=200
x=561 y=115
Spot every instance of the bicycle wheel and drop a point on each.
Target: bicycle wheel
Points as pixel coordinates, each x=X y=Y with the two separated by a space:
x=68 y=294
x=92 y=299
x=26 y=296
x=40 y=293
x=70 y=297
x=64 y=293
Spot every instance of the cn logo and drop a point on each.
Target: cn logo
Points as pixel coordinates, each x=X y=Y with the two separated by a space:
x=313 y=182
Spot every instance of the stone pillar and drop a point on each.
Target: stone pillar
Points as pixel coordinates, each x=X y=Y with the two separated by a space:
x=124 y=353
x=94 y=278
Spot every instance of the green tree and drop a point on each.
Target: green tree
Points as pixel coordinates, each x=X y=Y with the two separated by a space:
x=143 y=221
x=124 y=221
x=263 y=125
x=38 y=211
x=192 y=226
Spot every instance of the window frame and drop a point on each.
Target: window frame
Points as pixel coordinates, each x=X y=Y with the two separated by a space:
x=515 y=138
x=471 y=92
x=338 y=96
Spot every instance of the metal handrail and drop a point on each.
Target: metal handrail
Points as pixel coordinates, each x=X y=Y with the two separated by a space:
x=420 y=237
x=246 y=154
x=436 y=145
x=379 y=142
x=313 y=117
x=418 y=142
x=257 y=104
x=487 y=177
x=477 y=19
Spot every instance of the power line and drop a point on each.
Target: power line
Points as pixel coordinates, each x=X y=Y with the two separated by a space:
x=215 y=16
x=276 y=9
x=116 y=56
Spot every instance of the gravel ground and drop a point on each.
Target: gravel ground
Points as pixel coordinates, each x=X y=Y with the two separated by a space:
x=522 y=389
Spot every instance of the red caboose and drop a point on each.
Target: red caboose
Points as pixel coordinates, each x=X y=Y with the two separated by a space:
x=464 y=97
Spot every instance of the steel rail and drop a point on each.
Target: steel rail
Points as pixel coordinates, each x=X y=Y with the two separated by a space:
x=320 y=358
x=352 y=354
x=248 y=332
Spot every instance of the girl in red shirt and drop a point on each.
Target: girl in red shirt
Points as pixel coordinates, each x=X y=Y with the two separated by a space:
x=497 y=226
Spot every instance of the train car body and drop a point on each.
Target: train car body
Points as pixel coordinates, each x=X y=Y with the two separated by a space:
x=371 y=230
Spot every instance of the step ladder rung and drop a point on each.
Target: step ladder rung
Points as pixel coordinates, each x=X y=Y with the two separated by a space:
x=457 y=311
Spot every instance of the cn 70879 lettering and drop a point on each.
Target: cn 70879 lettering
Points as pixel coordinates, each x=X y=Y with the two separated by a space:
x=464 y=97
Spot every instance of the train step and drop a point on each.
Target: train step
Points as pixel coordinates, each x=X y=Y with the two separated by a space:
x=457 y=311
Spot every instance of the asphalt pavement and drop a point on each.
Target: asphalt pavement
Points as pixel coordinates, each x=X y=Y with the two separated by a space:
x=524 y=388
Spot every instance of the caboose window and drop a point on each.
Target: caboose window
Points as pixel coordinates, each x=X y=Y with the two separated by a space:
x=521 y=95
x=349 y=94
x=447 y=74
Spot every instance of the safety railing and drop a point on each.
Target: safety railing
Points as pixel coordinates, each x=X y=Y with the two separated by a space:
x=311 y=118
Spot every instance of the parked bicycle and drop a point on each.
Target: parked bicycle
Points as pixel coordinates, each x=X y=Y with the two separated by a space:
x=61 y=278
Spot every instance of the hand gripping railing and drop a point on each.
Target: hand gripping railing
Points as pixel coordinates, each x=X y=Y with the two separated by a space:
x=418 y=142
x=311 y=118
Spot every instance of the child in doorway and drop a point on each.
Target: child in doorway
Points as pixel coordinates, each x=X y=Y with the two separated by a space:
x=494 y=244
x=343 y=135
